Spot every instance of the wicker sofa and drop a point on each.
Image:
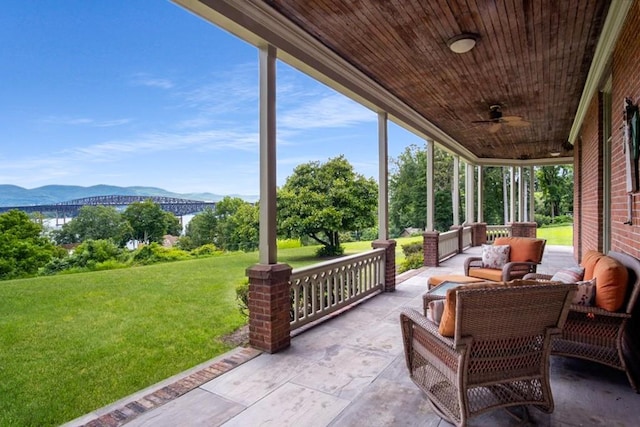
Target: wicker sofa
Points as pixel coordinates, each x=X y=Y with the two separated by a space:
x=611 y=338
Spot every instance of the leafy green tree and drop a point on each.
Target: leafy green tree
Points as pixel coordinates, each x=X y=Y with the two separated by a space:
x=23 y=249
x=320 y=200
x=408 y=190
x=147 y=220
x=240 y=230
x=493 y=209
x=95 y=223
x=556 y=185
x=172 y=224
x=201 y=230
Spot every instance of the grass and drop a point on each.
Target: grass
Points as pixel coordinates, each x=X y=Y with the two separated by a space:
x=561 y=235
x=72 y=343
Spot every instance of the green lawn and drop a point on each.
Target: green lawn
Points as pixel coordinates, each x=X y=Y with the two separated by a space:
x=562 y=235
x=73 y=343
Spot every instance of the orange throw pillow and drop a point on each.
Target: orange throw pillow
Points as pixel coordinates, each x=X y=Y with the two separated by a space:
x=589 y=261
x=611 y=283
x=447 y=325
x=523 y=249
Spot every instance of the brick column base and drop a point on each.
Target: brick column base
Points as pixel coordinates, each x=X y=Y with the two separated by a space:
x=524 y=229
x=390 y=263
x=269 y=306
x=478 y=233
x=430 y=240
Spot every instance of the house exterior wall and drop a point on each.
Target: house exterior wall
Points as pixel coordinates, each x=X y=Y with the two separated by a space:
x=588 y=160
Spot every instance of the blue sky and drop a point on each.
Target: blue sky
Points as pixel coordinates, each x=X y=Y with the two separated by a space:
x=142 y=92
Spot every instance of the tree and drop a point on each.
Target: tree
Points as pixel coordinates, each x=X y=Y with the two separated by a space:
x=201 y=230
x=95 y=223
x=240 y=231
x=556 y=185
x=149 y=223
x=408 y=190
x=320 y=200
x=23 y=250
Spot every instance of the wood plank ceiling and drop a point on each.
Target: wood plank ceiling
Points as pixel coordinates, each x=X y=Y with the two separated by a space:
x=532 y=57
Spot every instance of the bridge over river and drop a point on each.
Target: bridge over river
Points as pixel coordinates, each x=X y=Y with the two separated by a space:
x=71 y=208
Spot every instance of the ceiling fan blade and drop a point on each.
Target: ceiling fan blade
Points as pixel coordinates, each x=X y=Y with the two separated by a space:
x=519 y=123
x=511 y=118
x=495 y=127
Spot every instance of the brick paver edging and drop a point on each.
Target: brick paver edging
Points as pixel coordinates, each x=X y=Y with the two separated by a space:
x=137 y=407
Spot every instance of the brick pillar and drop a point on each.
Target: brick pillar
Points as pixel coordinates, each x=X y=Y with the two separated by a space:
x=390 y=262
x=269 y=306
x=478 y=233
x=459 y=229
x=430 y=240
x=524 y=229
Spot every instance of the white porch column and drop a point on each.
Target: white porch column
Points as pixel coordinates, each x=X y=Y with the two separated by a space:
x=469 y=190
x=532 y=199
x=455 y=191
x=480 y=194
x=512 y=196
x=520 y=194
x=268 y=249
x=431 y=198
x=383 y=174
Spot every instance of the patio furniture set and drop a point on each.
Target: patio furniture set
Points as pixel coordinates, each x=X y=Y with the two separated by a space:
x=484 y=339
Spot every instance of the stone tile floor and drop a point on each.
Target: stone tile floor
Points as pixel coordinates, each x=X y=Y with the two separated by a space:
x=350 y=371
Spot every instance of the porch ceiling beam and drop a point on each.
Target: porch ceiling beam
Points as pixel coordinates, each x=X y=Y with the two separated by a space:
x=260 y=25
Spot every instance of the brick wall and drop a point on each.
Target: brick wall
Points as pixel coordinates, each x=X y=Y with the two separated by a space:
x=588 y=155
x=590 y=195
x=625 y=83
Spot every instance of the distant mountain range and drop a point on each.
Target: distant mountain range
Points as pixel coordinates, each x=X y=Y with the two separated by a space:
x=13 y=195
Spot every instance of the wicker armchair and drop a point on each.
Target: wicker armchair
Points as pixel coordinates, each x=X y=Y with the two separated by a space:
x=526 y=254
x=609 y=338
x=499 y=356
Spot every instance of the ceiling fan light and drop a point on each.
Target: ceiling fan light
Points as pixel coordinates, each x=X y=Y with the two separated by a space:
x=462 y=43
x=555 y=154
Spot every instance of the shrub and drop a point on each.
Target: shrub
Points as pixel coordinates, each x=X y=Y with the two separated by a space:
x=206 y=250
x=242 y=296
x=289 y=243
x=153 y=253
x=542 y=220
x=412 y=261
x=412 y=248
x=563 y=219
x=327 y=251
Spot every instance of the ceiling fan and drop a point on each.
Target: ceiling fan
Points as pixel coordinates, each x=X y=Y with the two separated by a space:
x=497 y=119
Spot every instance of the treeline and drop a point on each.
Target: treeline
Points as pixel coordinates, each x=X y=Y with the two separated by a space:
x=320 y=203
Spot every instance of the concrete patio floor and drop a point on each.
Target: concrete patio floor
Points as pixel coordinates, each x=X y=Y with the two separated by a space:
x=350 y=371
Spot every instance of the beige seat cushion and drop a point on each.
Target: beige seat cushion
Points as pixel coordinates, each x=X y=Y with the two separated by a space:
x=486 y=273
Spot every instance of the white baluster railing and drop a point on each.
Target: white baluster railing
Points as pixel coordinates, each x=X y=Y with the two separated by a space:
x=321 y=289
x=467 y=239
x=447 y=244
x=495 y=231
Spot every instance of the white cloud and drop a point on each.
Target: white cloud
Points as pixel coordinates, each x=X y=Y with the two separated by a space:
x=332 y=111
x=84 y=121
x=143 y=79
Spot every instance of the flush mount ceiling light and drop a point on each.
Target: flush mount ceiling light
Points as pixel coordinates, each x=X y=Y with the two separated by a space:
x=462 y=43
x=555 y=154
